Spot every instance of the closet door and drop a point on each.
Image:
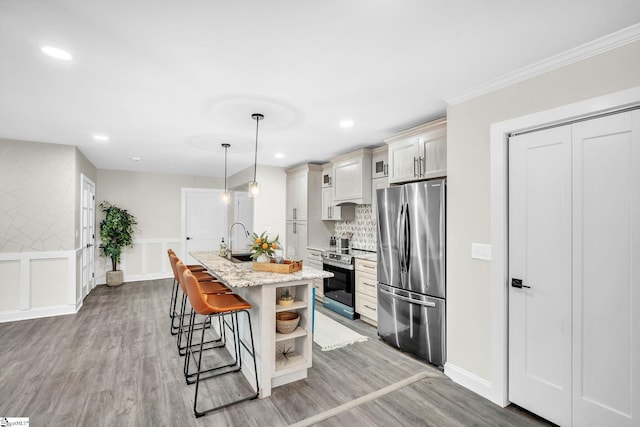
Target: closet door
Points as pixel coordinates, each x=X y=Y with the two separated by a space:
x=606 y=268
x=540 y=258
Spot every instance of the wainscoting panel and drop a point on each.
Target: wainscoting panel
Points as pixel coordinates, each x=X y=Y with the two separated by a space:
x=145 y=261
x=37 y=284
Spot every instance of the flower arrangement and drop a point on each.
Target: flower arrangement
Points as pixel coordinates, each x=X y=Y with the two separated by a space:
x=262 y=245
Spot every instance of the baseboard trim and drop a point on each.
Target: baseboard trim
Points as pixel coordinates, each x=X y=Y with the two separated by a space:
x=36 y=313
x=471 y=381
x=137 y=278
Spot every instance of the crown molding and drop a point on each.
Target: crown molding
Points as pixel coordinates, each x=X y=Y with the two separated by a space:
x=603 y=44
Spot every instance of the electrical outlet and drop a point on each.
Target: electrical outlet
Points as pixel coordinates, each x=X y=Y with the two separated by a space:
x=481 y=251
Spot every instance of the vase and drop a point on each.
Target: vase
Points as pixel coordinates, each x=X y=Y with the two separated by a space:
x=263 y=258
x=115 y=277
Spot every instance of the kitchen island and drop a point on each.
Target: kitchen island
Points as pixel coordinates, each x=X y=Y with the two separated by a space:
x=280 y=358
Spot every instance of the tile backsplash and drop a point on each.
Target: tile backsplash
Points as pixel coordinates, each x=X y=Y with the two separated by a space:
x=362 y=230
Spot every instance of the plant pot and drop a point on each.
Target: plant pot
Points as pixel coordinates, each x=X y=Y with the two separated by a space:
x=286 y=302
x=115 y=278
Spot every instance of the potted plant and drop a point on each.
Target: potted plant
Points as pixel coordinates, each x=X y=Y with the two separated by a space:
x=286 y=299
x=262 y=248
x=116 y=232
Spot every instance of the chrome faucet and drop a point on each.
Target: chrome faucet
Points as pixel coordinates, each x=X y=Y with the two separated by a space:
x=230 y=251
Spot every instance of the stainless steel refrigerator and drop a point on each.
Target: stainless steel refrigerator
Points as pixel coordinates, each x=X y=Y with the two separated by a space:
x=411 y=268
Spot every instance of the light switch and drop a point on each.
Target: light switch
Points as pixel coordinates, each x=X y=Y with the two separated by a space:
x=481 y=251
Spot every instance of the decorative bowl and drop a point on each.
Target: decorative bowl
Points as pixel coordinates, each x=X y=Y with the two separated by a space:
x=287 y=321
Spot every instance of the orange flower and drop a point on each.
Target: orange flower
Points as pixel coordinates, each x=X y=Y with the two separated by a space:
x=274 y=246
x=265 y=246
x=258 y=241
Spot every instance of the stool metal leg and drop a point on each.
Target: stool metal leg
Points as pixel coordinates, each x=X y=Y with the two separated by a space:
x=212 y=372
x=251 y=352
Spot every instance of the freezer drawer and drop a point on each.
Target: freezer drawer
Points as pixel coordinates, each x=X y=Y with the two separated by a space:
x=412 y=322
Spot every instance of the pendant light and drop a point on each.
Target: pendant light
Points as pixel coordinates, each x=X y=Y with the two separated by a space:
x=253 y=185
x=226 y=196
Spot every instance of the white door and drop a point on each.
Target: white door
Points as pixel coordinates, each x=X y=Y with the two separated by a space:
x=574 y=241
x=87 y=235
x=606 y=268
x=540 y=256
x=243 y=212
x=204 y=221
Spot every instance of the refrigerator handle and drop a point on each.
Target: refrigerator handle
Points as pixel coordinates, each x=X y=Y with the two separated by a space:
x=400 y=233
x=407 y=232
x=412 y=301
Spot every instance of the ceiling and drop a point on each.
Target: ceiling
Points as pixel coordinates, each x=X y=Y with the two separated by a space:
x=170 y=81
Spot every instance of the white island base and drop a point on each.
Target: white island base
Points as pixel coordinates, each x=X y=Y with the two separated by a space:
x=261 y=290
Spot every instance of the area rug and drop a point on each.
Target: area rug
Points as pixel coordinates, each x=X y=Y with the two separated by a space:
x=329 y=334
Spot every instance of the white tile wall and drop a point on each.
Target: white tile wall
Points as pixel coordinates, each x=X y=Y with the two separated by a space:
x=362 y=230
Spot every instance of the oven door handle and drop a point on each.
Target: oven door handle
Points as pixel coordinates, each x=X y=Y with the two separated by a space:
x=412 y=301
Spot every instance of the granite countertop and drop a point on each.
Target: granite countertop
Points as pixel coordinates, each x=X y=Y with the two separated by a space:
x=240 y=275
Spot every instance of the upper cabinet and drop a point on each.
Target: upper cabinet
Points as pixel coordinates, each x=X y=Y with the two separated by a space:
x=379 y=162
x=327 y=175
x=331 y=211
x=418 y=153
x=352 y=178
x=298 y=191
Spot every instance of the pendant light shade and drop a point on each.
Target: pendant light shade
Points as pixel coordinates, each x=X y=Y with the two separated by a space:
x=226 y=196
x=253 y=185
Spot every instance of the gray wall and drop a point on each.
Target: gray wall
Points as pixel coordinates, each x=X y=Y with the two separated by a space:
x=468 y=220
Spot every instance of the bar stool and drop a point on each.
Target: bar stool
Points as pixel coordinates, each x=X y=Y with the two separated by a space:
x=209 y=286
x=174 y=290
x=199 y=271
x=218 y=305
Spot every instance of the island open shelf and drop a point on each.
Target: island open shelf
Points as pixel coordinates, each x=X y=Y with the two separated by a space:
x=261 y=290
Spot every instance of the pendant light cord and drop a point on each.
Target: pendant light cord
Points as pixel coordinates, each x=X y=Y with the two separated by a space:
x=225 y=169
x=255 y=159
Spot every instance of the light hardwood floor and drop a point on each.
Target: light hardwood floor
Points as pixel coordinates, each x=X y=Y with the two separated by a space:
x=115 y=364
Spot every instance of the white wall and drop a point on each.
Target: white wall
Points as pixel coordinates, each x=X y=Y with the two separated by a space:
x=269 y=208
x=39 y=220
x=469 y=341
x=156 y=202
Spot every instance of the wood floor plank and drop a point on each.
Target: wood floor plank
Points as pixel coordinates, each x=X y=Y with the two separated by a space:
x=115 y=363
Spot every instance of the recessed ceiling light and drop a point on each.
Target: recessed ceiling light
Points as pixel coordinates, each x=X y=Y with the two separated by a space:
x=57 y=53
x=136 y=159
x=346 y=123
x=99 y=137
x=279 y=155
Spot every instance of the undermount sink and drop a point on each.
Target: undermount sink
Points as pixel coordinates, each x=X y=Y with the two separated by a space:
x=241 y=258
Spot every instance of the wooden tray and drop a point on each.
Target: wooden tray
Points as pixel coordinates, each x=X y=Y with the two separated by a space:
x=287 y=267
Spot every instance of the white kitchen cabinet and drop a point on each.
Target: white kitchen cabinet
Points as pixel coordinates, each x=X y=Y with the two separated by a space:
x=327 y=175
x=418 y=153
x=296 y=239
x=333 y=212
x=352 y=178
x=314 y=260
x=367 y=290
x=304 y=225
x=297 y=195
x=380 y=162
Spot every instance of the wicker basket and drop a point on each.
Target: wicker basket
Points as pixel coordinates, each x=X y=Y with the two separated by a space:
x=287 y=321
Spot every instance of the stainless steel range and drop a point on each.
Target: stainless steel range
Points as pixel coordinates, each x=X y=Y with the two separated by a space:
x=339 y=290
